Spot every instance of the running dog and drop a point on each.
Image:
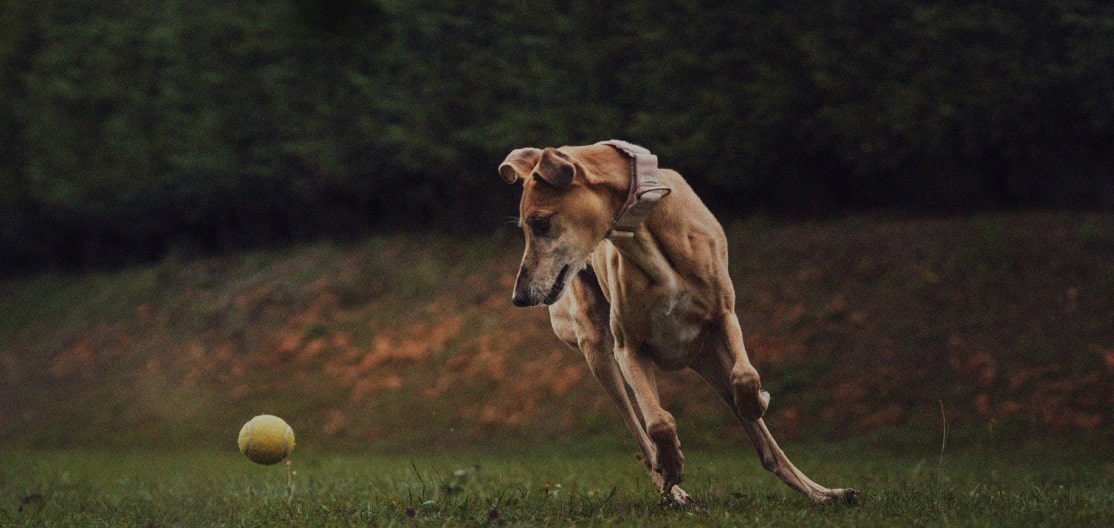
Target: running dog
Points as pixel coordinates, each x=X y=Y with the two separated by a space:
x=633 y=268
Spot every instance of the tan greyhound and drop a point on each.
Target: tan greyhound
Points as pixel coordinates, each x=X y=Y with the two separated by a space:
x=633 y=268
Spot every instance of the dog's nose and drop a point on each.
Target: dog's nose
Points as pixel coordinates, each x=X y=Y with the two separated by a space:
x=519 y=299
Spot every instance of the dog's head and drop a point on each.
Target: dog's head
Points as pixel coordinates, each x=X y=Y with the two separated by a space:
x=564 y=213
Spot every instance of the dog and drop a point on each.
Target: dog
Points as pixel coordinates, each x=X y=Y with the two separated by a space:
x=633 y=268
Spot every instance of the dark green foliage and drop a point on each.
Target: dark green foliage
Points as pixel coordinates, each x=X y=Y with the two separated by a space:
x=136 y=128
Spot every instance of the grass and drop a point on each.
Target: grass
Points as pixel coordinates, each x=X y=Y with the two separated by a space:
x=549 y=488
x=865 y=331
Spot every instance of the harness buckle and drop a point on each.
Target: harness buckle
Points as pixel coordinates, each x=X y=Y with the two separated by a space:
x=646 y=191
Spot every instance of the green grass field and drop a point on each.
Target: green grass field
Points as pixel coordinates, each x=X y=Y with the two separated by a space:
x=399 y=360
x=969 y=486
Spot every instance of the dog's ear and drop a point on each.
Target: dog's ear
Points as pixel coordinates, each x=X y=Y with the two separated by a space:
x=555 y=168
x=518 y=163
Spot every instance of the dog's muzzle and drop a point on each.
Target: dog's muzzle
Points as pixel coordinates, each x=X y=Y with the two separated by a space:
x=558 y=286
x=527 y=294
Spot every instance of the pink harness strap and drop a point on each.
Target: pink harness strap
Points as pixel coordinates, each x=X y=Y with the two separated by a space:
x=645 y=189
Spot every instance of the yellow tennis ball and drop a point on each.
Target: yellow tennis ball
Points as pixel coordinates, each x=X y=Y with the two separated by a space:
x=266 y=439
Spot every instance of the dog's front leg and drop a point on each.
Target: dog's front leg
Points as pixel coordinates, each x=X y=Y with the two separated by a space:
x=580 y=319
x=667 y=460
x=606 y=371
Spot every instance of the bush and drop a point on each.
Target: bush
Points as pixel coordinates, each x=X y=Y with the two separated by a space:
x=133 y=129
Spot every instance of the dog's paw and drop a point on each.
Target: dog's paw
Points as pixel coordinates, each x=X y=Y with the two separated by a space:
x=850 y=496
x=669 y=461
x=676 y=498
x=680 y=498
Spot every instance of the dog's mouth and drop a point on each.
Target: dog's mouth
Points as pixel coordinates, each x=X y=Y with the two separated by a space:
x=558 y=287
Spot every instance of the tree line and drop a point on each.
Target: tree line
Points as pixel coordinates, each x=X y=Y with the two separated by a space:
x=130 y=129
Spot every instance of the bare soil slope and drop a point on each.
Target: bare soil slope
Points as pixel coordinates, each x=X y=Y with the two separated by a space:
x=856 y=325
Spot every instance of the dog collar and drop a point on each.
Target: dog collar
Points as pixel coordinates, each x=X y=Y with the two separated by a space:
x=645 y=189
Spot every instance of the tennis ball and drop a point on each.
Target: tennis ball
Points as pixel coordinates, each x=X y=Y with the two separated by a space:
x=266 y=439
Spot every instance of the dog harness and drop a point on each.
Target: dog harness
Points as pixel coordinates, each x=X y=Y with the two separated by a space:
x=645 y=189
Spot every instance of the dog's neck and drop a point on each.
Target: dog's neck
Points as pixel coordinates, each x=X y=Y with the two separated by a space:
x=645 y=189
x=627 y=233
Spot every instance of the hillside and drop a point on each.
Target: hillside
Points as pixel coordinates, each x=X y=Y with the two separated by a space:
x=856 y=325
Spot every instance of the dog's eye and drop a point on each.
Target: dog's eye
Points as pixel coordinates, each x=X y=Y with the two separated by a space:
x=539 y=225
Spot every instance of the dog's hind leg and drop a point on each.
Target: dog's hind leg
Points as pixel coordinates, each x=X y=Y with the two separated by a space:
x=746 y=385
x=719 y=365
x=581 y=320
x=774 y=460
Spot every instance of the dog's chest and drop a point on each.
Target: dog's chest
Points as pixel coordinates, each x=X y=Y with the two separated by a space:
x=664 y=320
x=674 y=330
x=671 y=319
